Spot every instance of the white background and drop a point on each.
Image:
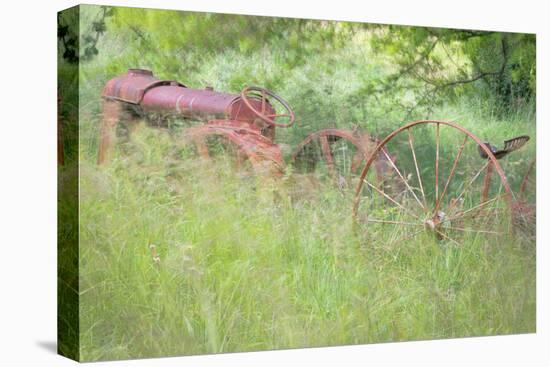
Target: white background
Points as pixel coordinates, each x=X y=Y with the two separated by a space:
x=28 y=181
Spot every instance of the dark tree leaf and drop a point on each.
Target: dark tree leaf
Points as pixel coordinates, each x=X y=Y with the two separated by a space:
x=99 y=27
x=62 y=31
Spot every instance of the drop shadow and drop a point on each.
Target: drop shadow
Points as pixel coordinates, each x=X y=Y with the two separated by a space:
x=48 y=345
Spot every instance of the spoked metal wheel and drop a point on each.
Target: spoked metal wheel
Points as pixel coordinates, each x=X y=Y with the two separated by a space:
x=442 y=188
x=247 y=151
x=336 y=156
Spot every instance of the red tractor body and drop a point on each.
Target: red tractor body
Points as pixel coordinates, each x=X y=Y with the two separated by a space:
x=246 y=120
x=141 y=88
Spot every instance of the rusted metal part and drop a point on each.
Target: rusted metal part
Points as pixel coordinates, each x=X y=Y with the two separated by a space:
x=249 y=95
x=132 y=86
x=328 y=155
x=510 y=146
x=112 y=113
x=140 y=93
x=60 y=148
x=148 y=94
x=449 y=178
x=264 y=155
x=523 y=212
x=363 y=143
x=452 y=215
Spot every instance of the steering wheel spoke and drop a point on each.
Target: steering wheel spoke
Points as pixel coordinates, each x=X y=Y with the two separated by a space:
x=249 y=94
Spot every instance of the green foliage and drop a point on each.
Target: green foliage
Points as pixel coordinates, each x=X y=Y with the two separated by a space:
x=441 y=64
x=515 y=82
x=68 y=27
x=77 y=43
x=194 y=36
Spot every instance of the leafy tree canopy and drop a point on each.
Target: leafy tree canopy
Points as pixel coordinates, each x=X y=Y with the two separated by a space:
x=437 y=64
x=423 y=67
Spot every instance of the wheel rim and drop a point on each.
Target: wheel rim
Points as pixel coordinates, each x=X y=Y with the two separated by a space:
x=440 y=186
x=334 y=155
x=250 y=152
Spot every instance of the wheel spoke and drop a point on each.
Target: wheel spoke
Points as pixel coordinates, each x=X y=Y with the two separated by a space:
x=451 y=174
x=325 y=147
x=403 y=178
x=473 y=230
x=479 y=206
x=383 y=221
x=417 y=169
x=447 y=237
x=391 y=199
x=457 y=199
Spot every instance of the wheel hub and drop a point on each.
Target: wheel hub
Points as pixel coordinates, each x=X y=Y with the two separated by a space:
x=434 y=223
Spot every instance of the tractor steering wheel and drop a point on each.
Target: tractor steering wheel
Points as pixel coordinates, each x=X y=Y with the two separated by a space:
x=256 y=93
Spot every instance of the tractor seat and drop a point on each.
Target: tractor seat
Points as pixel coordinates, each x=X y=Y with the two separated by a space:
x=509 y=146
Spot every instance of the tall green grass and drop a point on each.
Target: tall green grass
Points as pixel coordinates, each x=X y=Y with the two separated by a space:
x=243 y=268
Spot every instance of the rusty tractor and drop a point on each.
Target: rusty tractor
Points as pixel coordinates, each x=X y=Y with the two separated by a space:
x=418 y=195
x=246 y=121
